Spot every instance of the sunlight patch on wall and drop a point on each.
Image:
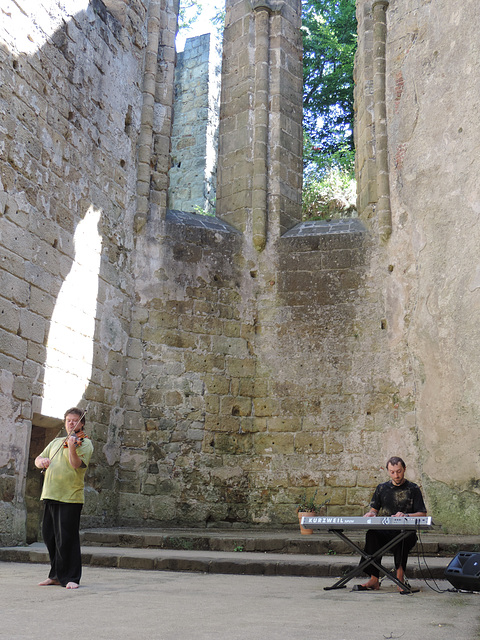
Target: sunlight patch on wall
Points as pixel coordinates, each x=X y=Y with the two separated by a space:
x=70 y=342
x=30 y=23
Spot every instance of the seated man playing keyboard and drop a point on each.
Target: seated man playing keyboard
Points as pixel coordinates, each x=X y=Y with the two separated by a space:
x=398 y=497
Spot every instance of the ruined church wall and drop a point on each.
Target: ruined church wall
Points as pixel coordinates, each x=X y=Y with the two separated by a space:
x=70 y=105
x=227 y=379
x=254 y=376
x=427 y=270
x=259 y=364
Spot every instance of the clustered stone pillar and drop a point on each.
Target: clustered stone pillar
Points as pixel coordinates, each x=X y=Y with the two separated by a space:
x=145 y=140
x=260 y=141
x=384 y=214
x=156 y=116
x=260 y=132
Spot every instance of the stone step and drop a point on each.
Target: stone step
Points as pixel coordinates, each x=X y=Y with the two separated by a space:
x=261 y=541
x=248 y=552
x=223 y=562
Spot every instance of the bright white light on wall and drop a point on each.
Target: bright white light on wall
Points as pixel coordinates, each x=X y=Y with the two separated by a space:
x=202 y=24
x=68 y=366
x=25 y=26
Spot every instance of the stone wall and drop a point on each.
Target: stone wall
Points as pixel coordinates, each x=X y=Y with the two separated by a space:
x=243 y=393
x=231 y=364
x=71 y=102
x=194 y=155
x=428 y=269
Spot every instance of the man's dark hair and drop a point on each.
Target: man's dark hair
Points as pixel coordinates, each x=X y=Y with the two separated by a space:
x=76 y=411
x=394 y=460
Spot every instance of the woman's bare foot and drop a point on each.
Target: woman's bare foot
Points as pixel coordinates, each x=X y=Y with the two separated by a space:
x=48 y=582
x=72 y=585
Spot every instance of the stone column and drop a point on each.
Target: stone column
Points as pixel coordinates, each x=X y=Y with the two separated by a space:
x=260 y=148
x=153 y=145
x=145 y=140
x=260 y=131
x=384 y=214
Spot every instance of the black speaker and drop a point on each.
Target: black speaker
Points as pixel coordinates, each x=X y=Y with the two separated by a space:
x=463 y=572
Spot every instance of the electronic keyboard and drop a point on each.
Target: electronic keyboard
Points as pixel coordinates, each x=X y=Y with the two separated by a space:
x=358 y=522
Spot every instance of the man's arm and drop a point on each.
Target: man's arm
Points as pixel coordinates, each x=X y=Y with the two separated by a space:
x=73 y=456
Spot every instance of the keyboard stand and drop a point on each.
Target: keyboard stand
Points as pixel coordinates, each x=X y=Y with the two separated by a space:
x=371 y=559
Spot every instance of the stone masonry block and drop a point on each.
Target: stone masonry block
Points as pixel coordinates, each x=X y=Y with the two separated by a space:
x=163 y=319
x=222 y=423
x=202 y=324
x=266 y=407
x=337 y=496
x=13 y=288
x=216 y=384
x=236 y=347
x=342 y=259
x=134 y=439
x=233 y=444
x=339 y=479
x=235 y=406
x=232 y=328
x=309 y=443
x=212 y=404
x=245 y=387
x=22 y=388
x=279 y=443
x=9 y=316
x=177 y=339
x=41 y=302
x=253 y=424
x=333 y=444
x=32 y=326
x=240 y=367
x=357 y=496
x=134 y=348
x=204 y=363
x=285 y=424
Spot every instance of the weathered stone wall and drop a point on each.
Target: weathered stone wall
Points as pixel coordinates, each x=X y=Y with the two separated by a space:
x=247 y=387
x=194 y=155
x=239 y=361
x=70 y=105
x=428 y=270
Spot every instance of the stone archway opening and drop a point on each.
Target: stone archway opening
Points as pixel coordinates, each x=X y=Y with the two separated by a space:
x=44 y=429
x=329 y=186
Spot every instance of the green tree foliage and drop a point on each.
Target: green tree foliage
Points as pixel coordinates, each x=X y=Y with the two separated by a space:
x=188 y=13
x=329 y=44
x=191 y=10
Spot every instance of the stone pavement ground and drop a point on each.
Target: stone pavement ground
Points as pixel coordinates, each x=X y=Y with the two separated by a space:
x=123 y=604
x=237 y=584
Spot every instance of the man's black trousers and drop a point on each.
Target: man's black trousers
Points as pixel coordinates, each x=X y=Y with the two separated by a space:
x=61 y=534
x=375 y=539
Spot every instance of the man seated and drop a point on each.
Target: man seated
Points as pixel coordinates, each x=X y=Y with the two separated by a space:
x=398 y=497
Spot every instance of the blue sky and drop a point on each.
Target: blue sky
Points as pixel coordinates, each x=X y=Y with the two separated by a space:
x=203 y=24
